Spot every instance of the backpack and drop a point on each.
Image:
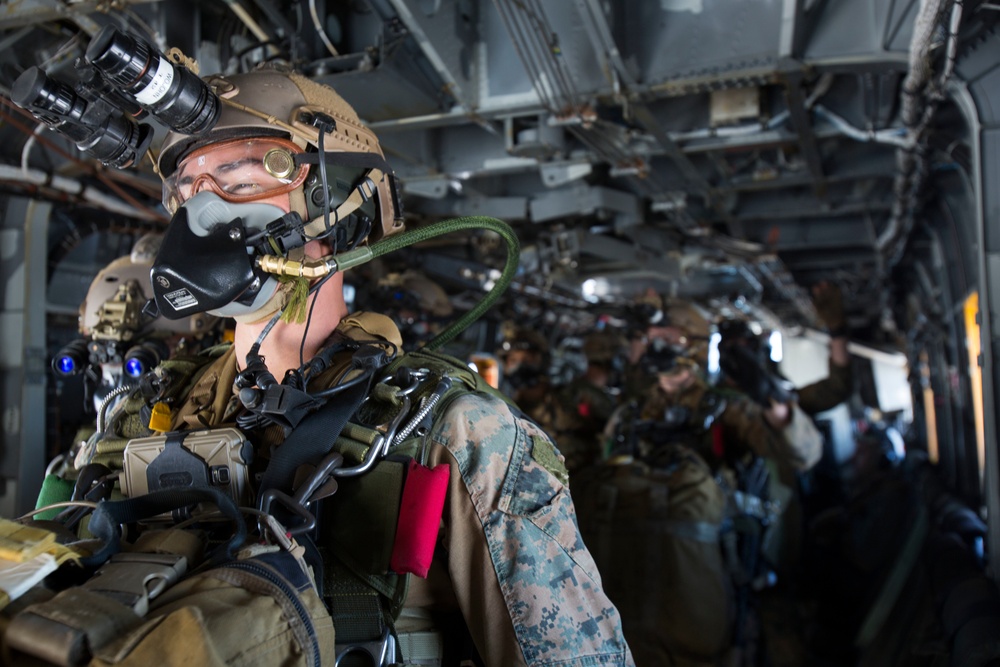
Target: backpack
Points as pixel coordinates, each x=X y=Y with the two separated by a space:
x=655 y=535
x=167 y=602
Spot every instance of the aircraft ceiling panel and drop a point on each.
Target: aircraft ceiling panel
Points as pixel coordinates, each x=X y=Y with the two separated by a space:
x=851 y=29
x=794 y=235
x=445 y=32
x=389 y=91
x=543 y=43
x=682 y=39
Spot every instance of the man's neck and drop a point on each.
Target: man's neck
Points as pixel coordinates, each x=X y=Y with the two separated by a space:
x=281 y=346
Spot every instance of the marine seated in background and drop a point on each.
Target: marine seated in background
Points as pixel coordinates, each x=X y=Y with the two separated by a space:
x=574 y=414
x=678 y=515
x=431 y=521
x=581 y=408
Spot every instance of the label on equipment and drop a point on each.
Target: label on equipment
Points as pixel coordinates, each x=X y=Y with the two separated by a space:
x=159 y=86
x=181 y=299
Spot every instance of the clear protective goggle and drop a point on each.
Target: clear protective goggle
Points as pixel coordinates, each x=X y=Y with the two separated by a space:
x=239 y=171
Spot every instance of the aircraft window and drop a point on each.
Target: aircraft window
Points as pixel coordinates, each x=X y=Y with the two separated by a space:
x=976 y=375
x=775 y=342
x=713 y=353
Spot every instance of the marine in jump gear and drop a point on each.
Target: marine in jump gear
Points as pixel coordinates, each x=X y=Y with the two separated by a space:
x=678 y=515
x=433 y=520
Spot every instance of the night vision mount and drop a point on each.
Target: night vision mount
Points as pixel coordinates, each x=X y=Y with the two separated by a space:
x=122 y=80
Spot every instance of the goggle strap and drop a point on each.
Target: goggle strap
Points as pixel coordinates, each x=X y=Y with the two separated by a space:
x=357 y=198
x=358 y=160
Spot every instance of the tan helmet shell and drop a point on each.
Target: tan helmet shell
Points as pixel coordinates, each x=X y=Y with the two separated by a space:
x=688 y=318
x=121 y=272
x=271 y=102
x=523 y=338
x=432 y=298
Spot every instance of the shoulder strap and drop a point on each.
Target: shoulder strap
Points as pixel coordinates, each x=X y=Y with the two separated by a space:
x=367 y=599
x=446 y=365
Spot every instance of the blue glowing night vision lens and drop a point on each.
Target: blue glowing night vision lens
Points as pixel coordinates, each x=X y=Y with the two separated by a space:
x=134 y=368
x=66 y=365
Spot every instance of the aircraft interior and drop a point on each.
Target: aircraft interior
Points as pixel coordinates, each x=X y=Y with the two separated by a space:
x=728 y=153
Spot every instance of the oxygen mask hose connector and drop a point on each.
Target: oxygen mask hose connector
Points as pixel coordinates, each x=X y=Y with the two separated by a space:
x=314 y=268
x=318 y=268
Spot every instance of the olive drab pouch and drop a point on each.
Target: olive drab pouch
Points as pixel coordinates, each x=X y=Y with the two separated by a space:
x=177 y=597
x=655 y=535
x=257 y=610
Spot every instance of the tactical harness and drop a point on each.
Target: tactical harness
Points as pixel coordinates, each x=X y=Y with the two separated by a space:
x=355 y=532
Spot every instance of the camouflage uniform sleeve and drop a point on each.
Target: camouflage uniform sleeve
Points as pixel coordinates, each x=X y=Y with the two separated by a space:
x=799 y=444
x=829 y=392
x=526 y=584
x=805 y=442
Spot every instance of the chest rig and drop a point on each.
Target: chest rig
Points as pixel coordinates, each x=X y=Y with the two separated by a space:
x=341 y=494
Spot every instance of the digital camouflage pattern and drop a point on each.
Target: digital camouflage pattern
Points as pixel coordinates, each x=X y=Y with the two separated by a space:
x=543 y=578
x=512 y=560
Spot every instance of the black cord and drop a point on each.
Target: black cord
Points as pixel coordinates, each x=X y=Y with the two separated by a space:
x=341 y=386
x=326 y=190
x=314 y=292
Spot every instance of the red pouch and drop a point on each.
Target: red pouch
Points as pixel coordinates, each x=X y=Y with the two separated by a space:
x=419 y=518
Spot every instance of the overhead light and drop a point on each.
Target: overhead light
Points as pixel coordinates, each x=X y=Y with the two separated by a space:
x=593 y=289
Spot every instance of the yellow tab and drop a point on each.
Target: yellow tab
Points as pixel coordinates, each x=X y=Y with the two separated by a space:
x=160 y=420
x=20 y=543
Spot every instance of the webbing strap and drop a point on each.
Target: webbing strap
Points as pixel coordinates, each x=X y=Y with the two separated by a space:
x=311 y=439
x=894 y=583
x=107 y=520
x=424 y=647
x=356 y=608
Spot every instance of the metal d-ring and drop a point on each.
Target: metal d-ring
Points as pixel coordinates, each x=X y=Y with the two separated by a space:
x=379 y=448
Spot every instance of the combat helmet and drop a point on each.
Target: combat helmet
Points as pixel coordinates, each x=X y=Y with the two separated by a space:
x=523 y=338
x=695 y=329
x=314 y=119
x=528 y=369
x=418 y=292
x=112 y=309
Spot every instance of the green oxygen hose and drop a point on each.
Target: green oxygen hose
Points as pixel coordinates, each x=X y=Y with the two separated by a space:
x=400 y=241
